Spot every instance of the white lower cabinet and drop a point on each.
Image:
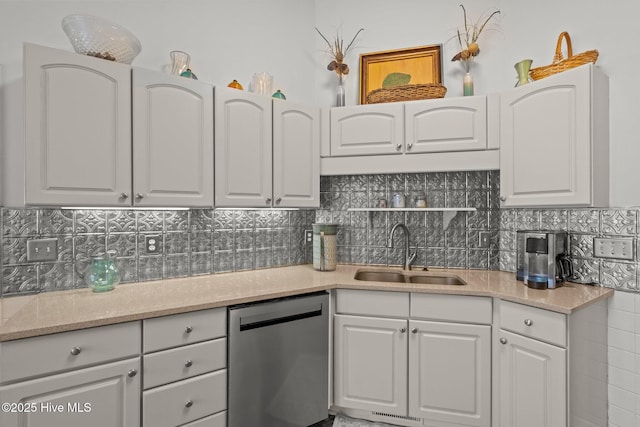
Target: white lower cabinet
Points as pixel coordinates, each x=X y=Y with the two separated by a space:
x=551 y=367
x=185 y=376
x=82 y=378
x=410 y=371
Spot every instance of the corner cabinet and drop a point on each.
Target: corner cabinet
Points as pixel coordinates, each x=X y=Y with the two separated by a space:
x=554 y=137
x=77 y=129
x=266 y=152
x=172 y=140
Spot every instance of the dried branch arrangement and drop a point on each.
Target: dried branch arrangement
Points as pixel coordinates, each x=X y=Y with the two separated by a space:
x=468 y=38
x=338 y=52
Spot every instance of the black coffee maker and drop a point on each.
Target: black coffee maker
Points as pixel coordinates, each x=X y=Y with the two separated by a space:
x=543 y=258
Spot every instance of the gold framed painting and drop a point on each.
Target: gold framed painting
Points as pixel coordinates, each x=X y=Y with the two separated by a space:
x=419 y=65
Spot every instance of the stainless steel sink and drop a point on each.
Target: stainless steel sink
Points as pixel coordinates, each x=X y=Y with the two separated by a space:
x=380 y=276
x=437 y=280
x=398 y=277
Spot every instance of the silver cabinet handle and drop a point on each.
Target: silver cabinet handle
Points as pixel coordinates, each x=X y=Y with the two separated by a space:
x=528 y=322
x=403 y=330
x=132 y=373
x=414 y=330
x=139 y=196
x=188 y=329
x=188 y=404
x=399 y=146
x=503 y=340
x=268 y=201
x=278 y=200
x=409 y=145
x=75 y=351
x=503 y=198
x=188 y=363
x=124 y=196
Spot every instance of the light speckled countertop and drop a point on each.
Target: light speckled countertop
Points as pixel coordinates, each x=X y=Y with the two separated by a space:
x=51 y=312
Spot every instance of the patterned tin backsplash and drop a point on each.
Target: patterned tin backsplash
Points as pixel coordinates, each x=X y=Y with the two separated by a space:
x=205 y=241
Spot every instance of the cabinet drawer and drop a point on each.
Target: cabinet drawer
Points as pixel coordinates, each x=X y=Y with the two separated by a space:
x=48 y=354
x=179 y=403
x=182 y=329
x=372 y=303
x=184 y=362
x=217 y=420
x=452 y=308
x=534 y=322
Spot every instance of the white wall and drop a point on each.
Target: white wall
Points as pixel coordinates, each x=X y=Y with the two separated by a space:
x=624 y=360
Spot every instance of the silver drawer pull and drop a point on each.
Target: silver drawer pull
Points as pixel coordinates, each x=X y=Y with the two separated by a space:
x=403 y=330
x=414 y=330
x=409 y=145
x=124 y=196
x=189 y=404
x=188 y=363
x=398 y=146
x=75 y=351
x=188 y=329
x=528 y=322
x=139 y=196
x=132 y=373
x=503 y=340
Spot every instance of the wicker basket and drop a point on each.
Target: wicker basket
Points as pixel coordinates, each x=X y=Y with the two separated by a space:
x=559 y=63
x=406 y=93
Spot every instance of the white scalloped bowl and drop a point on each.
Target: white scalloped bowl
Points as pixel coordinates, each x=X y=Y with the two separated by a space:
x=94 y=36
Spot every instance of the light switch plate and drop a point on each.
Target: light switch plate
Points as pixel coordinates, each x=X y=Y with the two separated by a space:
x=613 y=247
x=42 y=250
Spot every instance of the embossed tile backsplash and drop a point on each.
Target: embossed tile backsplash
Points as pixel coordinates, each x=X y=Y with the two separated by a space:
x=206 y=241
x=193 y=242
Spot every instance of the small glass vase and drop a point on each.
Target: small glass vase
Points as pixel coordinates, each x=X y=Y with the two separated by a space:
x=467 y=84
x=179 y=62
x=340 y=93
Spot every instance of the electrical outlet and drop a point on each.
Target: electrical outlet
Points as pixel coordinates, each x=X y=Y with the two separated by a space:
x=152 y=243
x=308 y=236
x=613 y=247
x=42 y=250
x=484 y=239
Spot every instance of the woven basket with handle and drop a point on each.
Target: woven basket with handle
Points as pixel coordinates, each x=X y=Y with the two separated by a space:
x=562 y=64
x=406 y=93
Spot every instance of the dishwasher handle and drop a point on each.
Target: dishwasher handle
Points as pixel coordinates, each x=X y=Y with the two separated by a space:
x=278 y=316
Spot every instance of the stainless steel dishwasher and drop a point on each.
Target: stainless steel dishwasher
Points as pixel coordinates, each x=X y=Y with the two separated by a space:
x=278 y=362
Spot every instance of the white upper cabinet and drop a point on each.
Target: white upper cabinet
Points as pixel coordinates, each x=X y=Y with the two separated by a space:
x=172 y=140
x=367 y=129
x=449 y=124
x=77 y=129
x=267 y=152
x=243 y=154
x=554 y=137
x=296 y=155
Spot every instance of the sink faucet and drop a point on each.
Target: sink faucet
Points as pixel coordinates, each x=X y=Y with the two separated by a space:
x=408 y=258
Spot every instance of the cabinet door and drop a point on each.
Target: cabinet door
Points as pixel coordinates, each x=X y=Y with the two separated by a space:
x=77 y=129
x=172 y=140
x=450 y=372
x=296 y=155
x=367 y=129
x=545 y=137
x=242 y=149
x=101 y=396
x=450 y=124
x=532 y=386
x=370 y=364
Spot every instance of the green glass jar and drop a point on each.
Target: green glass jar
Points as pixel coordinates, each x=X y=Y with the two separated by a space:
x=279 y=95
